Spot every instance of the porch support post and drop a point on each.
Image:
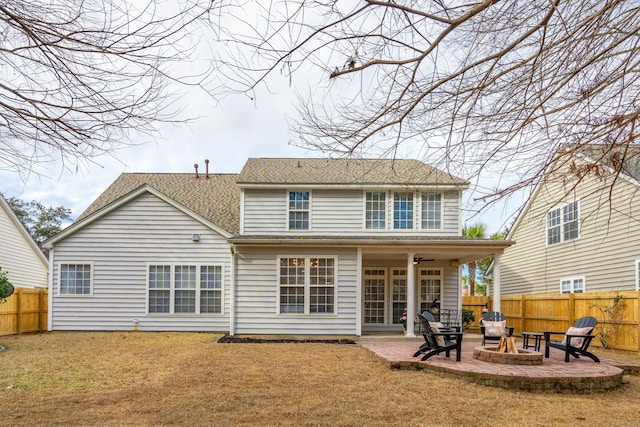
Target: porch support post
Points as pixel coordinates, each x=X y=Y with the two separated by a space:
x=359 y=293
x=496 y=282
x=411 y=297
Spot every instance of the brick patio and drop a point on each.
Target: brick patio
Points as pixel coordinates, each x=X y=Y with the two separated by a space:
x=579 y=376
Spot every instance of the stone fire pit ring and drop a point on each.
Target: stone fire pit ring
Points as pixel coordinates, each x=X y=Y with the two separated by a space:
x=523 y=357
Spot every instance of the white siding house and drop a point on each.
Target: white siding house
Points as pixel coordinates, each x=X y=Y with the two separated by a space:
x=288 y=246
x=20 y=256
x=575 y=237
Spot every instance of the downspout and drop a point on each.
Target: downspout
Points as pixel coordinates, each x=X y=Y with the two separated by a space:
x=232 y=293
x=50 y=291
x=359 y=285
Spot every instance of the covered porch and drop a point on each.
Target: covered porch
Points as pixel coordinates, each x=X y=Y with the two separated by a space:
x=417 y=274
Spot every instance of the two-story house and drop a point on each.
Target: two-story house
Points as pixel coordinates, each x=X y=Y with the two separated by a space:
x=288 y=246
x=580 y=230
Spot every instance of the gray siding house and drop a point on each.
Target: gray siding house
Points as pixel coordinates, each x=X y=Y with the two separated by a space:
x=288 y=246
x=576 y=237
x=20 y=256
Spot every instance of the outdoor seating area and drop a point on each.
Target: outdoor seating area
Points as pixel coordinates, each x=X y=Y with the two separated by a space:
x=580 y=376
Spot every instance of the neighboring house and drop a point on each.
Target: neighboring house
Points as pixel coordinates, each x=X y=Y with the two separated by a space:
x=575 y=237
x=288 y=246
x=20 y=256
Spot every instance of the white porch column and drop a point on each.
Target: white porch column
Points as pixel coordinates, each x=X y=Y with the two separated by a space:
x=496 y=282
x=359 y=293
x=411 y=295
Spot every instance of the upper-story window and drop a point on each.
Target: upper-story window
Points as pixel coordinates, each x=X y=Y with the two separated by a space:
x=376 y=208
x=402 y=211
x=298 y=210
x=431 y=211
x=562 y=223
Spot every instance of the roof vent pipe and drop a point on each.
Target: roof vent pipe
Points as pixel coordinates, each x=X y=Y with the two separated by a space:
x=206 y=163
x=196 y=168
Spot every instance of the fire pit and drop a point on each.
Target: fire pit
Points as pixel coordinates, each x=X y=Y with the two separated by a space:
x=507 y=354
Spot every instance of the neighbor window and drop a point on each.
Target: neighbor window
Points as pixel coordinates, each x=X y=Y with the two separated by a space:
x=376 y=208
x=75 y=279
x=298 y=210
x=185 y=289
x=307 y=285
x=402 y=211
x=572 y=285
x=562 y=223
x=432 y=211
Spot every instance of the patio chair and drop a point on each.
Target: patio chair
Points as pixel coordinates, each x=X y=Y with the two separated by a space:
x=437 y=342
x=494 y=327
x=576 y=339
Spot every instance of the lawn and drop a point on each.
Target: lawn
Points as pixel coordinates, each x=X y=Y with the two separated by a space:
x=188 y=379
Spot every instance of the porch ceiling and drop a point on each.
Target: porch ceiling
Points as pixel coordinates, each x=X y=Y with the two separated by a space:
x=391 y=248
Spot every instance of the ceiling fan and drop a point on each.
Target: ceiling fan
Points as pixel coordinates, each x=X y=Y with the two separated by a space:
x=418 y=260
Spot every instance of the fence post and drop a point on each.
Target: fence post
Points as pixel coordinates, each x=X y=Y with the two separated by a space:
x=523 y=310
x=40 y=307
x=638 y=320
x=18 y=295
x=572 y=309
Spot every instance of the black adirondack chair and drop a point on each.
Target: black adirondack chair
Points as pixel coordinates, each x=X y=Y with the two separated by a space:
x=438 y=342
x=574 y=344
x=494 y=316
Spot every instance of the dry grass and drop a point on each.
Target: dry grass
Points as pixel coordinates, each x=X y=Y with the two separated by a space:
x=188 y=379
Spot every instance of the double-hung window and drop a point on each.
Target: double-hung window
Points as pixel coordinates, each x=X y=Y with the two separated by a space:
x=431 y=211
x=376 y=209
x=572 y=285
x=402 y=211
x=75 y=279
x=563 y=223
x=298 y=210
x=175 y=289
x=307 y=285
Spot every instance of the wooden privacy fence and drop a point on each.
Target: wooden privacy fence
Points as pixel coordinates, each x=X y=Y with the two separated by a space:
x=557 y=312
x=24 y=311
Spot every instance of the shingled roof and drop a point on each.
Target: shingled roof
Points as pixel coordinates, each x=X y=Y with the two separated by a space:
x=216 y=199
x=344 y=171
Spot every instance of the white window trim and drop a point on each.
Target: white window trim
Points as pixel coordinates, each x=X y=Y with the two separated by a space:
x=414 y=223
x=546 y=224
x=419 y=276
x=91 y=273
x=364 y=211
x=419 y=211
x=307 y=286
x=289 y=211
x=198 y=289
x=572 y=280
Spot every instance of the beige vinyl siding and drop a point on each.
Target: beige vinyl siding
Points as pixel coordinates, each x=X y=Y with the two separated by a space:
x=24 y=267
x=120 y=245
x=265 y=211
x=604 y=253
x=257 y=289
x=451 y=214
x=337 y=212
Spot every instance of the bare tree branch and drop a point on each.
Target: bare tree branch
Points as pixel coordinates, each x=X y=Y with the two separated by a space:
x=486 y=87
x=77 y=76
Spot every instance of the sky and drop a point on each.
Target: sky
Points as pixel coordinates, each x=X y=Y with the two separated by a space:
x=226 y=132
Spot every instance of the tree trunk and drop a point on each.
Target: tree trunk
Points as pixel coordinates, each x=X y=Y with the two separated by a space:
x=472 y=278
